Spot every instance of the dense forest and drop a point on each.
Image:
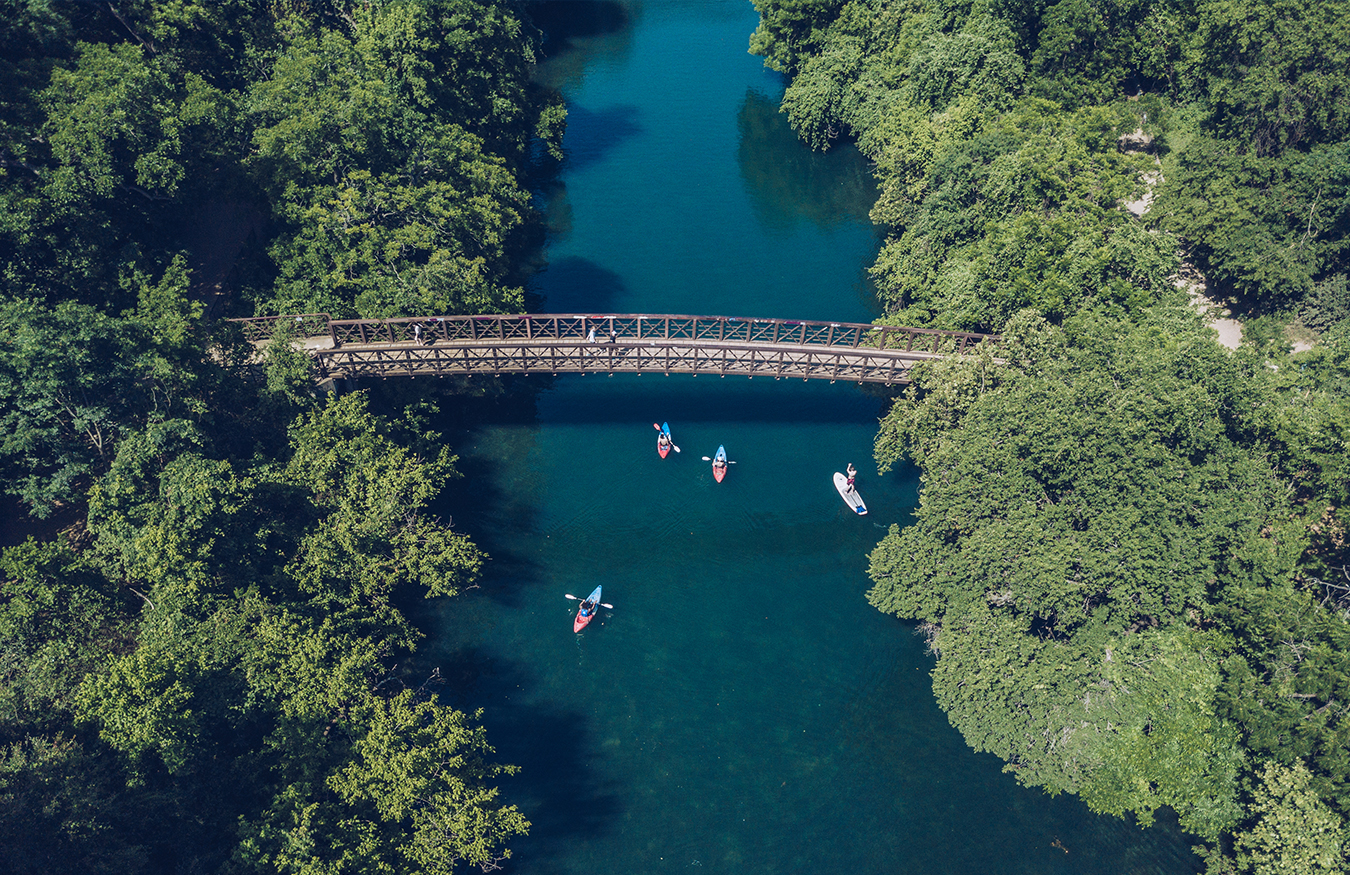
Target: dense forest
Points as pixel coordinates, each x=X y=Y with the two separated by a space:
x=1130 y=555
x=201 y=672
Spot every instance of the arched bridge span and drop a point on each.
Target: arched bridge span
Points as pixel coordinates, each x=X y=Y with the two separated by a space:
x=614 y=343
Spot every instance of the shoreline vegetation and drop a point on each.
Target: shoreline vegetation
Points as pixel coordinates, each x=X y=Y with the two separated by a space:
x=202 y=671
x=1130 y=555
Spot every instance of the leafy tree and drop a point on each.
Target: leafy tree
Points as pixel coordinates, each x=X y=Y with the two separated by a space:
x=116 y=141
x=1282 y=682
x=205 y=678
x=58 y=619
x=387 y=246
x=1283 y=224
x=406 y=795
x=261 y=674
x=1275 y=74
x=65 y=808
x=1091 y=52
x=1294 y=831
x=789 y=30
x=1071 y=650
x=74 y=379
x=1125 y=720
x=393 y=200
x=143 y=703
x=1130 y=553
x=117 y=123
x=1022 y=214
x=62 y=375
x=373 y=539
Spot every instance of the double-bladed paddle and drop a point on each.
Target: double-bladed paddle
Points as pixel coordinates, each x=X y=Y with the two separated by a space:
x=575 y=599
x=672 y=443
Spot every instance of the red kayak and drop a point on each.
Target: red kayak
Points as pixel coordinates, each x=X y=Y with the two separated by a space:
x=720 y=464
x=663 y=441
x=587 y=611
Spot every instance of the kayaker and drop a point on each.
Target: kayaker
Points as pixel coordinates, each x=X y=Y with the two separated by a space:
x=662 y=441
x=719 y=464
x=852 y=473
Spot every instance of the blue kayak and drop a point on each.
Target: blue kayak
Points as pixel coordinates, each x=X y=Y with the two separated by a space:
x=587 y=610
x=663 y=447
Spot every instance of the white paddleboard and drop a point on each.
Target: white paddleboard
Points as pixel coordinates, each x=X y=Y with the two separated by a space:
x=850 y=495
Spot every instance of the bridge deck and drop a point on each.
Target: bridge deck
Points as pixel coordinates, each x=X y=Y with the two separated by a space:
x=615 y=343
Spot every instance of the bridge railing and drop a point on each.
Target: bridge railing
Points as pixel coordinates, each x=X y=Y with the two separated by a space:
x=259 y=328
x=625 y=327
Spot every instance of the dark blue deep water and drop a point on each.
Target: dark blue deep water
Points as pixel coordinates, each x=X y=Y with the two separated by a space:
x=742 y=709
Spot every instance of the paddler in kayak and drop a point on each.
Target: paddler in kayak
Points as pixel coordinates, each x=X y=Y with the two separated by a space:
x=852 y=474
x=662 y=442
x=720 y=465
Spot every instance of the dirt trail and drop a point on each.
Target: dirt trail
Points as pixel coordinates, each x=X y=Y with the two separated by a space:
x=1188 y=277
x=215 y=237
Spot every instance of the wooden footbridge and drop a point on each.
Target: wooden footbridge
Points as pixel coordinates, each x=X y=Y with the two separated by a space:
x=546 y=343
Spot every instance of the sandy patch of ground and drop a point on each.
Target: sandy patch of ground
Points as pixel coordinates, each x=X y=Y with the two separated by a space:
x=1193 y=283
x=1140 y=206
x=1187 y=277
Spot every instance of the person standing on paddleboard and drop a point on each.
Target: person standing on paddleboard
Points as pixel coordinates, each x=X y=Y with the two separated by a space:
x=852 y=474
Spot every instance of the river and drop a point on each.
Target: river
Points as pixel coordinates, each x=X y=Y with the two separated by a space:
x=742 y=708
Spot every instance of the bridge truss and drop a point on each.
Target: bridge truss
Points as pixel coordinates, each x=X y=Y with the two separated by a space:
x=615 y=343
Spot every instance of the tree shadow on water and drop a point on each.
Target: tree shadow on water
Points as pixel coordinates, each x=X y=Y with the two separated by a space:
x=509 y=571
x=563 y=802
x=564 y=22
x=496 y=517
x=578 y=34
x=579 y=285
x=593 y=133
x=788 y=182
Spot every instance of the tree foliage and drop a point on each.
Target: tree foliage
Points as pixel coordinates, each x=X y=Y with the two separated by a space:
x=387 y=141
x=389 y=149
x=230 y=635
x=74 y=379
x=1294 y=832
x=202 y=673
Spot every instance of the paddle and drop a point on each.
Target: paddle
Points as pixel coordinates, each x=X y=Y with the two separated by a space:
x=672 y=443
x=575 y=599
x=709 y=459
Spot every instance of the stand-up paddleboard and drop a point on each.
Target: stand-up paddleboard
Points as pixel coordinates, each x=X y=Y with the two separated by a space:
x=849 y=494
x=587 y=611
x=664 y=447
x=720 y=464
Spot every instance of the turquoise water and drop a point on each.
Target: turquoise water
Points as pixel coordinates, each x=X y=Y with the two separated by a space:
x=742 y=708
